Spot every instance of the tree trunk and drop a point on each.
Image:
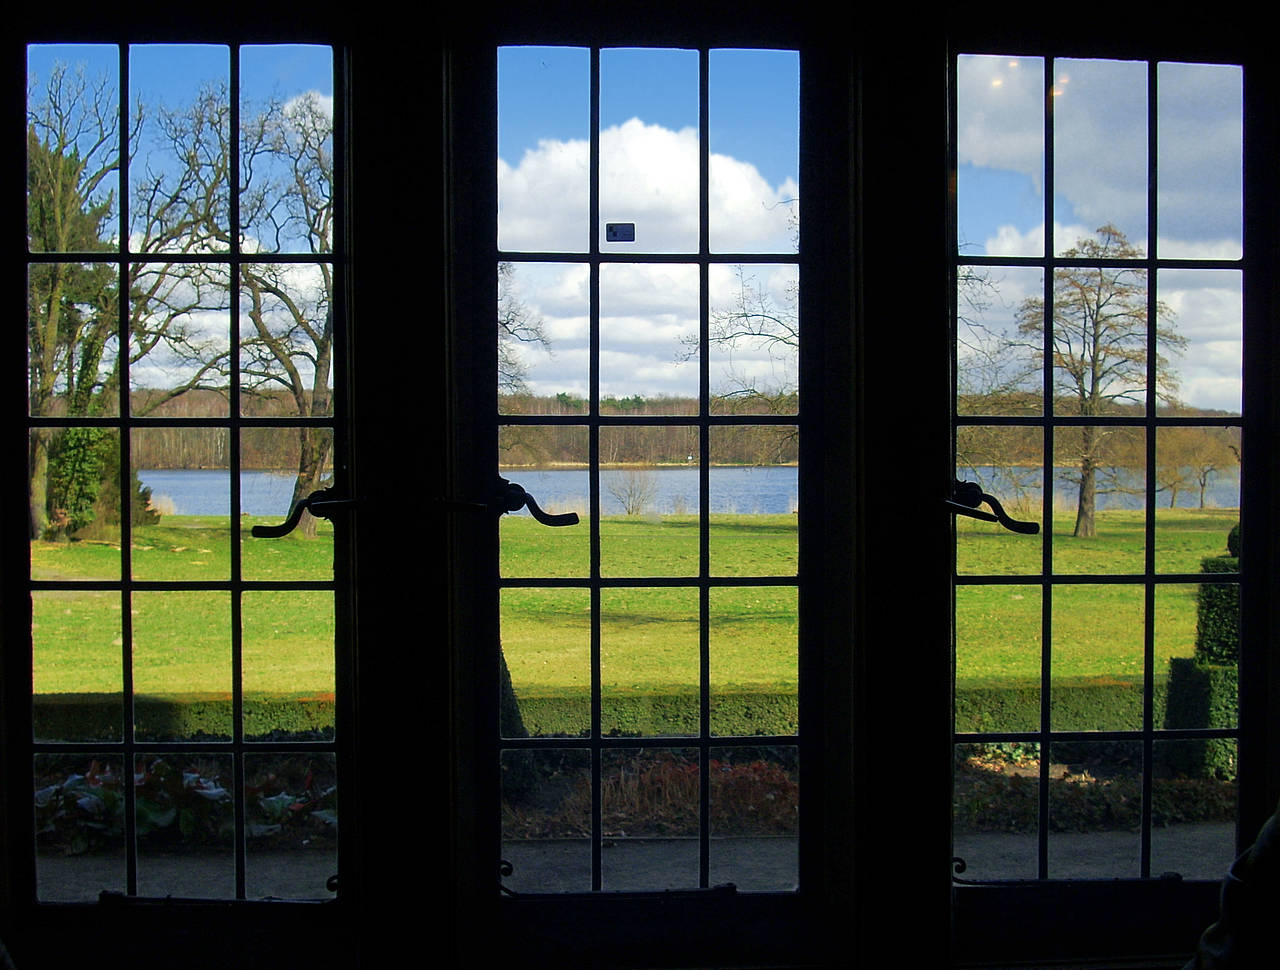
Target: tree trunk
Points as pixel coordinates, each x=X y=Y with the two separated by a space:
x=39 y=483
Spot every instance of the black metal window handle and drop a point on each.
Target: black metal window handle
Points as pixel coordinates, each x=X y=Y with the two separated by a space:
x=512 y=497
x=320 y=503
x=967 y=496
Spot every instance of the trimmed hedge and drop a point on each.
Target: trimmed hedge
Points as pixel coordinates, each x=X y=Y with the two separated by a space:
x=1202 y=696
x=1218 y=614
x=652 y=713
x=1084 y=704
x=206 y=716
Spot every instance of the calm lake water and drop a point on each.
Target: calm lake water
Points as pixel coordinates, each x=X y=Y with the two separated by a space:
x=768 y=490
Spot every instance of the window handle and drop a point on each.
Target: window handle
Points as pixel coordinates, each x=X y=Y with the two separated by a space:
x=320 y=503
x=967 y=496
x=512 y=497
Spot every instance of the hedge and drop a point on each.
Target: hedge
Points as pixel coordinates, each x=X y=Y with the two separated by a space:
x=206 y=716
x=1218 y=614
x=1202 y=695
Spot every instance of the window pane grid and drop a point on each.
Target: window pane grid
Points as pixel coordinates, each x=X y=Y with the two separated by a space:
x=1054 y=578
x=224 y=755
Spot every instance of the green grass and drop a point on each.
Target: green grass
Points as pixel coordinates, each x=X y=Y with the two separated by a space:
x=649 y=635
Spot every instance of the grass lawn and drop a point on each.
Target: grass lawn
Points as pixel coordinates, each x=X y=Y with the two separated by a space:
x=649 y=638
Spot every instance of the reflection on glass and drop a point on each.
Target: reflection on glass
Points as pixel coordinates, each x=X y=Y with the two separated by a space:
x=79 y=821
x=1206 y=358
x=180 y=339
x=997 y=658
x=74 y=480
x=1095 y=810
x=1193 y=808
x=999 y=340
x=72 y=346
x=546 y=820
x=291 y=825
x=648 y=339
x=72 y=107
x=550 y=463
x=536 y=374
x=754 y=339
x=649 y=500
x=649 y=662
x=754 y=521
x=755 y=815
x=181 y=664
x=75 y=665
x=995 y=812
x=649 y=148
x=753 y=645
x=184 y=530
x=184 y=813
x=279 y=467
x=649 y=811
x=1099 y=494
x=1000 y=155
x=288 y=662
x=286 y=148
x=286 y=339
x=755 y=151
x=1008 y=463
x=180 y=105
x=1100 y=145
x=1097 y=670
x=546 y=650
x=1200 y=161
x=543 y=134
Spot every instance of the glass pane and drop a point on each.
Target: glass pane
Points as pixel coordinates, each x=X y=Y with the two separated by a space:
x=72 y=342
x=543 y=338
x=997 y=658
x=755 y=813
x=1204 y=346
x=649 y=662
x=291 y=828
x=996 y=810
x=753 y=646
x=649 y=809
x=179 y=340
x=755 y=151
x=286 y=149
x=184 y=533
x=286 y=340
x=186 y=825
x=1193 y=808
x=1097 y=669
x=76 y=665
x=649 y=148
x=550 y=463
x=1000 y=155
x=1198 y=478
x=649 y=501
x=1099 y=495
x=999 y=340
x=288 y=664
x=281 y=466
x=755 y=490
x=182 y=664
x=648 y=331
x=1095 y=810
x=74 y=481
x=79 y=820
x=544 y=120
x=1100 y=148
x=72 y=112
x=180 y=107
x=1008 y=463
x=1200 y=164
x=546 y=820
x=546 y=650
x=754 y=339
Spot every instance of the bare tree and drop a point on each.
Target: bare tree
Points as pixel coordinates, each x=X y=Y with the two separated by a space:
x=634 y=489
x=517 y=325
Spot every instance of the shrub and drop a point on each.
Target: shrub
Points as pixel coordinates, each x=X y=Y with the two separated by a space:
x=1218 y=614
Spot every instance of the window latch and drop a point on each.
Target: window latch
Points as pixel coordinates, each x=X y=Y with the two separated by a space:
x=967 y=496
x=320 y=503
x=511 y=497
